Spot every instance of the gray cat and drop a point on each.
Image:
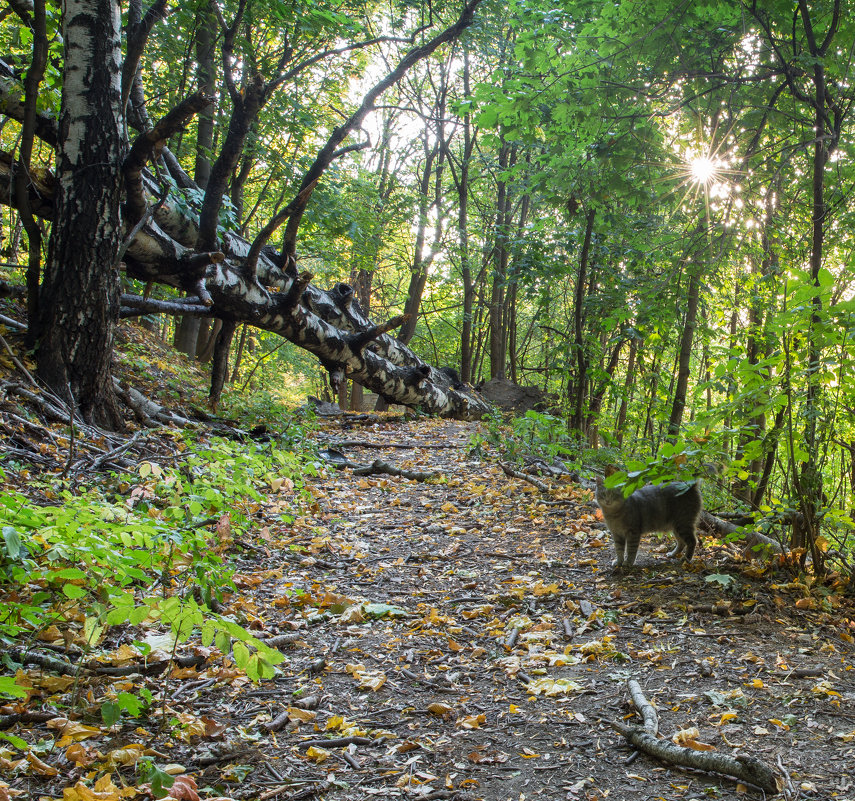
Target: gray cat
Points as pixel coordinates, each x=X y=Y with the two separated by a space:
x=667 y=507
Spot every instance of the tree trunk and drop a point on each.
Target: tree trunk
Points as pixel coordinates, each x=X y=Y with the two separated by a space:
x=239 y=354
x=188 y=327
x=206 y=345
x=33 y=79
x=592 y=423
x=428 y=200
x=498 y=331
x=628 y=385
x=362 y=281
x=690 y=322
x=463 y=233
x=80 y=294
x=220 y=362
x=186 y=334
x=578 y=326
x=206 y=77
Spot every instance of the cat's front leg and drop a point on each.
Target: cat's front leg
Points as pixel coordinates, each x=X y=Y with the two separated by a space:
x=620 y=546
x=633 y=538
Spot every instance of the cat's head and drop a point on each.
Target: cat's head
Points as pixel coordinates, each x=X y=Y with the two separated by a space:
x=609 y=499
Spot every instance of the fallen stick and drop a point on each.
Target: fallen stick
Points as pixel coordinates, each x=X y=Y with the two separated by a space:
x=745 y=768
x=378 y=467
x=648 y=713
x=509 y=471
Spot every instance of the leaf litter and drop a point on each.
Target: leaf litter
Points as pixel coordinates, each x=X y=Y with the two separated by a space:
x=459 y=637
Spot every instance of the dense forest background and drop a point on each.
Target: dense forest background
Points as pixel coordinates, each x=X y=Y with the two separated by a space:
x=644 y=209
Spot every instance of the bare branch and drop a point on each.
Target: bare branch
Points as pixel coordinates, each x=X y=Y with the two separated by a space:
x=327 y=153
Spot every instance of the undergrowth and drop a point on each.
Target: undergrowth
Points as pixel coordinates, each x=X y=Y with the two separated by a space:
x=145 y=549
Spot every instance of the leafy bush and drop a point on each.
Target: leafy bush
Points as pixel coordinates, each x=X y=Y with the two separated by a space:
x=152 y=546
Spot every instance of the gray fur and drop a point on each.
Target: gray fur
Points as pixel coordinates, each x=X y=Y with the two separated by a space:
x=667 y=507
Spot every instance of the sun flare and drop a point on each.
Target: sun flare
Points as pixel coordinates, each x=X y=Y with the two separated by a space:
x=703 y=169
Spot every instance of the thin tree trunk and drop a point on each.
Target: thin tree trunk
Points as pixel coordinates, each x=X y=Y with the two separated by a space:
x=628 y=386
x=220 y=363
x=187 y=328
x=685 y=354
x=32 y=81
x=498 y=330
x=463 y=232
x=239 y=355
x=578 y=326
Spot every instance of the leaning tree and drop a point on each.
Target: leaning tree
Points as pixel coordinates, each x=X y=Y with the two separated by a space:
x=113 y=203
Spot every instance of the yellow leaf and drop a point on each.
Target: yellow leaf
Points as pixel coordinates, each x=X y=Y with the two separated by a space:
x=472 y=721
x=78 y=754
x=303 y=715
x=688 y=739
x=129 y=755
x=551 y=687
x=441 y=710
x=317 y=754
x=71 y=731
x=42 y=768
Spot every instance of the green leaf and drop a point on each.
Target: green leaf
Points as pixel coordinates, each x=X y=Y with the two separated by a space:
x=378 y=610
x=110 y=713
x=8 y=687
x=21 y=745
x=723 y=579
x=13 y=542
x=223 y=641
x=73 y=592
x=241 y=655
x=130 y=703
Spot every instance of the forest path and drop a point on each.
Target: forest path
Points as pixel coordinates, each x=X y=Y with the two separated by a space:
x=468 y=634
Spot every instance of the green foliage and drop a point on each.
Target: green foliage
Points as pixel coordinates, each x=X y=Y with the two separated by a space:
x=135 y=550
x=535 y=434
x=677 y=461
x=159 y=780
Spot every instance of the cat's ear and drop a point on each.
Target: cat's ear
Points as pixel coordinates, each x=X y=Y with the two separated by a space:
x=610 y=470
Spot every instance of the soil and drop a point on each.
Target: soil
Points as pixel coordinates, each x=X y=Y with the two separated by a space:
x=466 y=638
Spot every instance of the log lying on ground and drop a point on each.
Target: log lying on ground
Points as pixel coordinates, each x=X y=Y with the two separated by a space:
x=745 y=768
x=752 y=539
x=648 y=713
x=742 y=767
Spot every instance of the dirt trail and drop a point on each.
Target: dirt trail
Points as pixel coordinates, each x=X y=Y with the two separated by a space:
x=468 y=637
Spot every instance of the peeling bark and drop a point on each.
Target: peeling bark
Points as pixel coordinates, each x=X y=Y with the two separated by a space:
x=80 y=294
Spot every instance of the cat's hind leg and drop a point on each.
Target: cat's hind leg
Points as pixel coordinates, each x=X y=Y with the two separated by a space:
x=686 y=539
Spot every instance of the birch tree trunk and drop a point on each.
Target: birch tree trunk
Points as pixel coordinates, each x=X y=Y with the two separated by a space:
x=79 y=299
